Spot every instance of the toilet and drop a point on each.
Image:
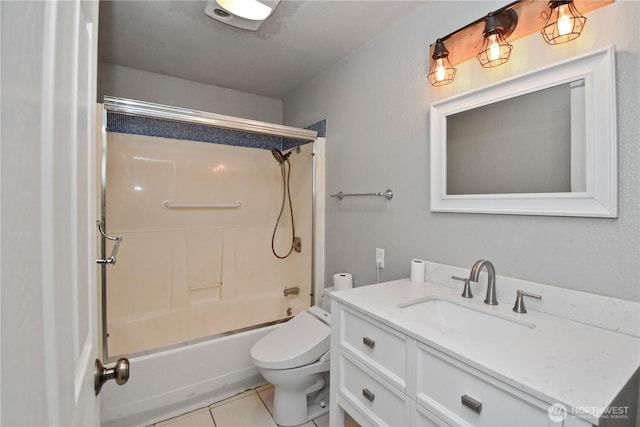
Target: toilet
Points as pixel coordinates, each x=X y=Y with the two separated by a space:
x=294 y=357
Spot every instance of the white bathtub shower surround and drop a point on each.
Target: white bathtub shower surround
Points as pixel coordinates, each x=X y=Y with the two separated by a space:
x=188 y=273
x=516 y=373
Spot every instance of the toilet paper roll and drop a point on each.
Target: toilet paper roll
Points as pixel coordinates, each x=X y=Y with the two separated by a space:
x=417 y=270
x=342 y=281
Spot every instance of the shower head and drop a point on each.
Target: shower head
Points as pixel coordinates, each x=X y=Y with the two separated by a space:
x=279 y=156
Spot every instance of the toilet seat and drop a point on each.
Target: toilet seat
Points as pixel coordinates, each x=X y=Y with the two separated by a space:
x=300 y=341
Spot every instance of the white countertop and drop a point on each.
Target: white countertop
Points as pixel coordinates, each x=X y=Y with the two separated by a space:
x=558 y=361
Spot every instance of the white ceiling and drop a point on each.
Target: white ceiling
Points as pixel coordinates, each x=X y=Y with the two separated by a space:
x=301 y=39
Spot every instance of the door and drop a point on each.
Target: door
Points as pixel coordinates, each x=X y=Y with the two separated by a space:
x=49 y=291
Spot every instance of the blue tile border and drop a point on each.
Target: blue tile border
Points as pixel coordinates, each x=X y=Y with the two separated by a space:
x=320 y=127
x=135 y=125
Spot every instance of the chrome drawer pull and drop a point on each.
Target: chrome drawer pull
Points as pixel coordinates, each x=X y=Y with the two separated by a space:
x=368 y=342
x=368 y=394
x=471 y=403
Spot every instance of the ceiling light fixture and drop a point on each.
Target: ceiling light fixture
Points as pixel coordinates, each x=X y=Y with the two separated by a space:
x=247 y=9
x=245 y=14
x=441 y=72
x=565 y=23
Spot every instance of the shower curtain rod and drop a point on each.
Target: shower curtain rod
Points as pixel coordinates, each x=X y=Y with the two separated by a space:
x=166 y=112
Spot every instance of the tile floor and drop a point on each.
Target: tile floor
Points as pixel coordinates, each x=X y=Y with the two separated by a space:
x=252 y=408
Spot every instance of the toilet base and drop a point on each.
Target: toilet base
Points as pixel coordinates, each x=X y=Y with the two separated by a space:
x=292 y=408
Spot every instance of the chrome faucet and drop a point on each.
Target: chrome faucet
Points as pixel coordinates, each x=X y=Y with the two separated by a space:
x=491 y=282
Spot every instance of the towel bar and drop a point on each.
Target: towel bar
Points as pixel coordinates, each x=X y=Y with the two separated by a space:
x=387 y=195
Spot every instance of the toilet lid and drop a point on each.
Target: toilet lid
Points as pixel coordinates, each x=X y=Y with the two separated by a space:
x=299 y=342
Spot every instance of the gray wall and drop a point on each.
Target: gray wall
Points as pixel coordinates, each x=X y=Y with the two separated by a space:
x=376 y=103
x=126 y=82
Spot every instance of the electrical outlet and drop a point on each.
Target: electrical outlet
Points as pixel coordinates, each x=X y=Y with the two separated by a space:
x=379 y=257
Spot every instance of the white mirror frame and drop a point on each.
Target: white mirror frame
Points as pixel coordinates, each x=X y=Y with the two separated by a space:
x=601 y=196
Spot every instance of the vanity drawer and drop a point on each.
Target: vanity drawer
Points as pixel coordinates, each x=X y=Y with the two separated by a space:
x=425 y=418
x=443 y=384
x=379 y=347
x=383 y=404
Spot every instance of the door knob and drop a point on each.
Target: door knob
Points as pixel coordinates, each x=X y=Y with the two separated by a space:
x=119 y=372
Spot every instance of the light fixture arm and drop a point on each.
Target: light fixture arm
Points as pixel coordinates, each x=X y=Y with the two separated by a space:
x=503 y=22
x=482 y=19
x=440 y=51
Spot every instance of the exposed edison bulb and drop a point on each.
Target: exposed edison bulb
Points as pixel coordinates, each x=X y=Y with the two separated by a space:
x=494 y=47
x=564 y=20
x=441 y=71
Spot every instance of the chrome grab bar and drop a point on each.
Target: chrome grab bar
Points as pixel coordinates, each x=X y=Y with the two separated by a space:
x=191 y=205
x=387 y=195
x=112 y=259
x=291 y=291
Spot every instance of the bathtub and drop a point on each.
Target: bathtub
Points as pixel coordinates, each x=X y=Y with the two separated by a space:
x=169 y=383
x=139 y=335
x=187 y=377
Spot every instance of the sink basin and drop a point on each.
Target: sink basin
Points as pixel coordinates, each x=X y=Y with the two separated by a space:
x=462 y=317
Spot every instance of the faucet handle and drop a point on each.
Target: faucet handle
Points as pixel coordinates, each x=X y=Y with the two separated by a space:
x=519 y=307
x=466 y=292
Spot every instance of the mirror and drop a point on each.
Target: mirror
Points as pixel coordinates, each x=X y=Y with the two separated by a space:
x=519 y=145
x=543 y=143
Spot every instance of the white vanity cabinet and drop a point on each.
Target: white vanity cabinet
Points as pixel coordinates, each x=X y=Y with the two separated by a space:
x=382 y=377
x=371 y=369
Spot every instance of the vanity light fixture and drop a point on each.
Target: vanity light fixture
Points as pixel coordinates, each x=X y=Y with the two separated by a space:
x=441 y=72
x=495 y=49
x=565 y=23
x=486 y=38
